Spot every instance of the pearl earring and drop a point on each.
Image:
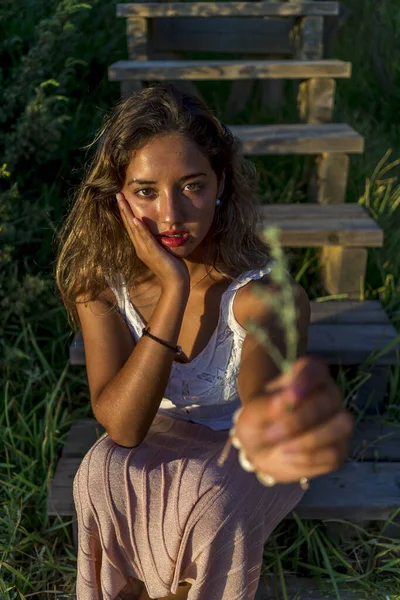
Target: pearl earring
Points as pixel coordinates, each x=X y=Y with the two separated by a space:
x=218 y=202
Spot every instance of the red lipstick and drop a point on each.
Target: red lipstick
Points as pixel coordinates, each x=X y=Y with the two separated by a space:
x=172 y=238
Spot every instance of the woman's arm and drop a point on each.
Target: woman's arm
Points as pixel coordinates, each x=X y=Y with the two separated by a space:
x=256 y=366
x=127 y=386
x=296 y=445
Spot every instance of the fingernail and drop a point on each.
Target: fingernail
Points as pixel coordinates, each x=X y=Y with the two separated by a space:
x=299 y=391
x=136 y=221
x=274 y=433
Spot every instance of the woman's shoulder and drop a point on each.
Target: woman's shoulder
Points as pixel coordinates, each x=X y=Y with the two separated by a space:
x=248 y=305
x=87 y=293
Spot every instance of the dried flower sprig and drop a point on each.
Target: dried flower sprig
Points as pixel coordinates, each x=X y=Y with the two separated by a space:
x=285 y=307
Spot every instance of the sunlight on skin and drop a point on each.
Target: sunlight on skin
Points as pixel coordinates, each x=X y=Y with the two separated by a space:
x=168 y=203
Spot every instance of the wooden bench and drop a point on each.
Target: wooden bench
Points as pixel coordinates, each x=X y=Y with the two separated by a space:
x=367 y=487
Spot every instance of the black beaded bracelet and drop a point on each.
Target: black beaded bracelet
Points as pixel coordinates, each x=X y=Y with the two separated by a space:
x=176 y=349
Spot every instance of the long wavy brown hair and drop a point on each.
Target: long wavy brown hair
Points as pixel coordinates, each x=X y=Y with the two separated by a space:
x=93 y=245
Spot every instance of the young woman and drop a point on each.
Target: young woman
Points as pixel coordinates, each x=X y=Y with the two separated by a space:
x=157 y=264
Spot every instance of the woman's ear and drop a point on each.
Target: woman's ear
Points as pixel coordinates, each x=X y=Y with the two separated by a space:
x=221 y=185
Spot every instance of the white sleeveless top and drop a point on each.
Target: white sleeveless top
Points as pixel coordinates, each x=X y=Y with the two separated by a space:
x=205 y=389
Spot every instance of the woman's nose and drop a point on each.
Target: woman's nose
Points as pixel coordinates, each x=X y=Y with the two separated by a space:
x=170 y=207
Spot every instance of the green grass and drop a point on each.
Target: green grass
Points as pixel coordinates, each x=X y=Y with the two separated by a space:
x=41 y=393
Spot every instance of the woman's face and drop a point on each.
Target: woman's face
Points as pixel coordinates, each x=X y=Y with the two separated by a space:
x=170 y=185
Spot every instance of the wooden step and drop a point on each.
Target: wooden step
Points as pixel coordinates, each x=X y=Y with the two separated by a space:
x=296 y=588
x=372 y=440
x=340 y=332
x=302 y=588
x=348 y=332
x=306 y=225
x=231 y=9
x=254 y=36
x=361 y=489
x=302 y=138
x=165 y=70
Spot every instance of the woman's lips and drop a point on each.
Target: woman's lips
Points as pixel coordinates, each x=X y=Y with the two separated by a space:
x=172 y=242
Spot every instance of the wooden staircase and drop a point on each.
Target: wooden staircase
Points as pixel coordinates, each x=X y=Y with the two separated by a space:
x=330 y=143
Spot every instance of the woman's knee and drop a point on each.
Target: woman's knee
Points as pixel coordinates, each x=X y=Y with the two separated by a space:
x=89 y=479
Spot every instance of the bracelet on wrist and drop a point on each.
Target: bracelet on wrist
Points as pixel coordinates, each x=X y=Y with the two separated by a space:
x=146 y=331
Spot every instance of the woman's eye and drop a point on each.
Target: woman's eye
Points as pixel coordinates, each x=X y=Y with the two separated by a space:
x=144 y=190
x=195 y=184
x=147 y=192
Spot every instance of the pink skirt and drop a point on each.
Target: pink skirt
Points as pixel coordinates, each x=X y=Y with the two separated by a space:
x=164 y=512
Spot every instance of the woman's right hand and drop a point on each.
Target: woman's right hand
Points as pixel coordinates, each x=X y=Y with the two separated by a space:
x=170 y=269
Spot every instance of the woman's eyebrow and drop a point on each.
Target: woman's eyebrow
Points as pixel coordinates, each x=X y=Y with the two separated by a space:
x=142 y=182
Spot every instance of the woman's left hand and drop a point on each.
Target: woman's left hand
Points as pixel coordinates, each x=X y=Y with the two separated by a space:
x=311 y=440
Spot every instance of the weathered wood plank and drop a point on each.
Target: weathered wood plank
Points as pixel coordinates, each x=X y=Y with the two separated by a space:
x=348 y=311
x=315 y=104
x=224 y=34
x=60 y=500
x=343 y=269
x=305 y=211
x=81 y=437
x=297 y=588
x=316 y=100
x=325 y=232
x=352 y=344
x=328 y=184
x=136 y=38
x=357 y=491
x=371 y=441
x=124 y=70
x=240 y=9
x=298 y=139
x=301 y=588
x=369 y=312
x=308 y=38
x=136 y=35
